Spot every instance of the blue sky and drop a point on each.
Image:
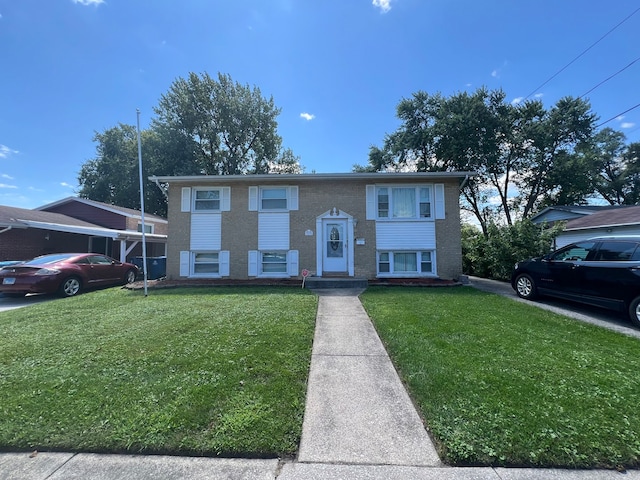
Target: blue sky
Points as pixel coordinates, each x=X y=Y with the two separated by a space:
x=336 y=68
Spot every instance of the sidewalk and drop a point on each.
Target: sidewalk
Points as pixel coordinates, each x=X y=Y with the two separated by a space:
x=359 y=424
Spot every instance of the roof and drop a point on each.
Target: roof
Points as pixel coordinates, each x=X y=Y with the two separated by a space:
x=13 y=217
x=568 y=212
x=617 y=217
x=127 y=212
x=308 y=177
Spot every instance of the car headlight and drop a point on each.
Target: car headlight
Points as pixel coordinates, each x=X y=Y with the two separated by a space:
x=47 y=271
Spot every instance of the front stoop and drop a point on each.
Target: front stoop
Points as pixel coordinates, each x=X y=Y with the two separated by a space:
x=335 y=282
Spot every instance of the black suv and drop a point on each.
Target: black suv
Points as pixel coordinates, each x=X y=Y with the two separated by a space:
x=603 y=271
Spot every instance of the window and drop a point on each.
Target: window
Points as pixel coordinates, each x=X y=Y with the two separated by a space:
x=404 y=202
x=273 y=198
x=148 y=228
x=405 y=263
x=206 y=200
x=617 y=251
x=579 y=252
x=274 y=262
x=206 y=263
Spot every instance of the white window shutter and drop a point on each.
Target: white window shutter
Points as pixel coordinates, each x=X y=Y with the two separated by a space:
x=253 y=199
x=439 y=192
x=186 y=199
x=225 y=204
x=293 y=263
x=371 y=202
x=223 y=259
x=293 y=198
x=185 y=263
x=253 y=263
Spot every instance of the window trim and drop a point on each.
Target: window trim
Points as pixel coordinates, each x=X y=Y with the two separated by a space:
x=286 y=198
x=261 y=262
x=391 y=263
x=417 y=199
x=150 y=226
x=194 y=199
x=192 y=265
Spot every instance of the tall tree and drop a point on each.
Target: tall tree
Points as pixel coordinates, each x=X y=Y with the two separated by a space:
x=203 y=126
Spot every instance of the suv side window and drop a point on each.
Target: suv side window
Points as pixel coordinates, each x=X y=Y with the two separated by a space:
x=617 y=251
x=577 y=252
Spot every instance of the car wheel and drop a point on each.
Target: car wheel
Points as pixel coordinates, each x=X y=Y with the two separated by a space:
x=634 y=311
x=525 y=287
x=130 y=277
x=70 y=287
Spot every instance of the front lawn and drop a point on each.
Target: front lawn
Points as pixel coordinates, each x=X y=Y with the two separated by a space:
x=499 y=382
x=187 y=371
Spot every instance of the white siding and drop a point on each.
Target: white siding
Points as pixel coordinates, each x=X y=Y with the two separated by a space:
x=185 y=262
x=185 y=204
x=572 y=236
x=405 y=235
x=206 y=231
x=273 y=231
x=439 y=198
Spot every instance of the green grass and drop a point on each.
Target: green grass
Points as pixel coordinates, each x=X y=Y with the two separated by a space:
x=185 y=371
x=499 y=382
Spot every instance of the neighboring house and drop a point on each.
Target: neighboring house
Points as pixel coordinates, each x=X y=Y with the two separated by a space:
x=26 y=233
x=371 y=225
x=622 y=220
x=557 y=213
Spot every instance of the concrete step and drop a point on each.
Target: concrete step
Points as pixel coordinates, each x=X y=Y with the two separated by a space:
x=335 y=282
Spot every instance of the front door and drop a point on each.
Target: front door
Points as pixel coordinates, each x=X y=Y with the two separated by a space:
x=335 y=246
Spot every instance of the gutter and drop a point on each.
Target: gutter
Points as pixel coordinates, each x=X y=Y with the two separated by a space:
x=464 y=182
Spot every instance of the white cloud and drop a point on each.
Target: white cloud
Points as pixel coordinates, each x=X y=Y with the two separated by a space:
x=307 y=116
x=5 y=151
x=89 y=2
x=538 y=95
x=383 y=5
x=4 y=185
x=517 y=100
x=620 y=118
x=495 y=74
x=627 y=125
x=8 y=177
x=65 y=184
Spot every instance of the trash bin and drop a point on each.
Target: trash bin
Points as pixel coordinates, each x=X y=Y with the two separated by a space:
x=156 y=266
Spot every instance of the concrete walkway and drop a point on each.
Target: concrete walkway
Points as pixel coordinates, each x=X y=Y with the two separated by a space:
x=359 y=424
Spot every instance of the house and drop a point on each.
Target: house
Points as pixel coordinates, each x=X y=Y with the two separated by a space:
x=558 y=213
x=622 y=220
x=26 y=233
x=369 y=225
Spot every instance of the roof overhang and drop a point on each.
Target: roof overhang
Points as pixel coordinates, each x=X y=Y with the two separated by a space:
x=310 y=177
x=93 y=231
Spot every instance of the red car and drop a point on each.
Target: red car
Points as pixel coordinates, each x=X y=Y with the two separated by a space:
x=65 y=273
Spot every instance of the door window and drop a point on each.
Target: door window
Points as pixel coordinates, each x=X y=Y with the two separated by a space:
x=617 y=251
x=577 y=252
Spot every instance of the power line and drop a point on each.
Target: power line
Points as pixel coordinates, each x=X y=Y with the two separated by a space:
x=589 y=48
x=616 y=116
x=609 y=78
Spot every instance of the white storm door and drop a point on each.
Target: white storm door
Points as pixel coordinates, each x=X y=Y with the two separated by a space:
x=334 y=246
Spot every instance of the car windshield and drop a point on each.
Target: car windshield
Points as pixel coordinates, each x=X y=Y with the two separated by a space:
x=45 y=259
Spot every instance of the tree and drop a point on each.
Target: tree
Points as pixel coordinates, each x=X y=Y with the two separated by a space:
x=203 y=126
x=615 y=167
x=521 y=153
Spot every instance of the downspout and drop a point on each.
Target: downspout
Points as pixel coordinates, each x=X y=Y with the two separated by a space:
x=155 y=180
x=464 y=182
x=5 y=230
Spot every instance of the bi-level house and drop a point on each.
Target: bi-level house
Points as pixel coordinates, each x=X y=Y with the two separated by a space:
x=369 y=225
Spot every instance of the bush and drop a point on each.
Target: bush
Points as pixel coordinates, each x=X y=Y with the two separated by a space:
x=494 y=254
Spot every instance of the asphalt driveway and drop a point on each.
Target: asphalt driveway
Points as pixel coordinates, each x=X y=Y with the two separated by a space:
x=7 y=303
x=603 y=318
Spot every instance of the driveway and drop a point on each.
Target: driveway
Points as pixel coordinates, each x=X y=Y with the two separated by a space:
x=7 y=303
x=603 y=318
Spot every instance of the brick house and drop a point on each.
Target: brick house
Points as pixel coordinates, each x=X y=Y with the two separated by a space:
x=78 y=225
x=368 y=225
